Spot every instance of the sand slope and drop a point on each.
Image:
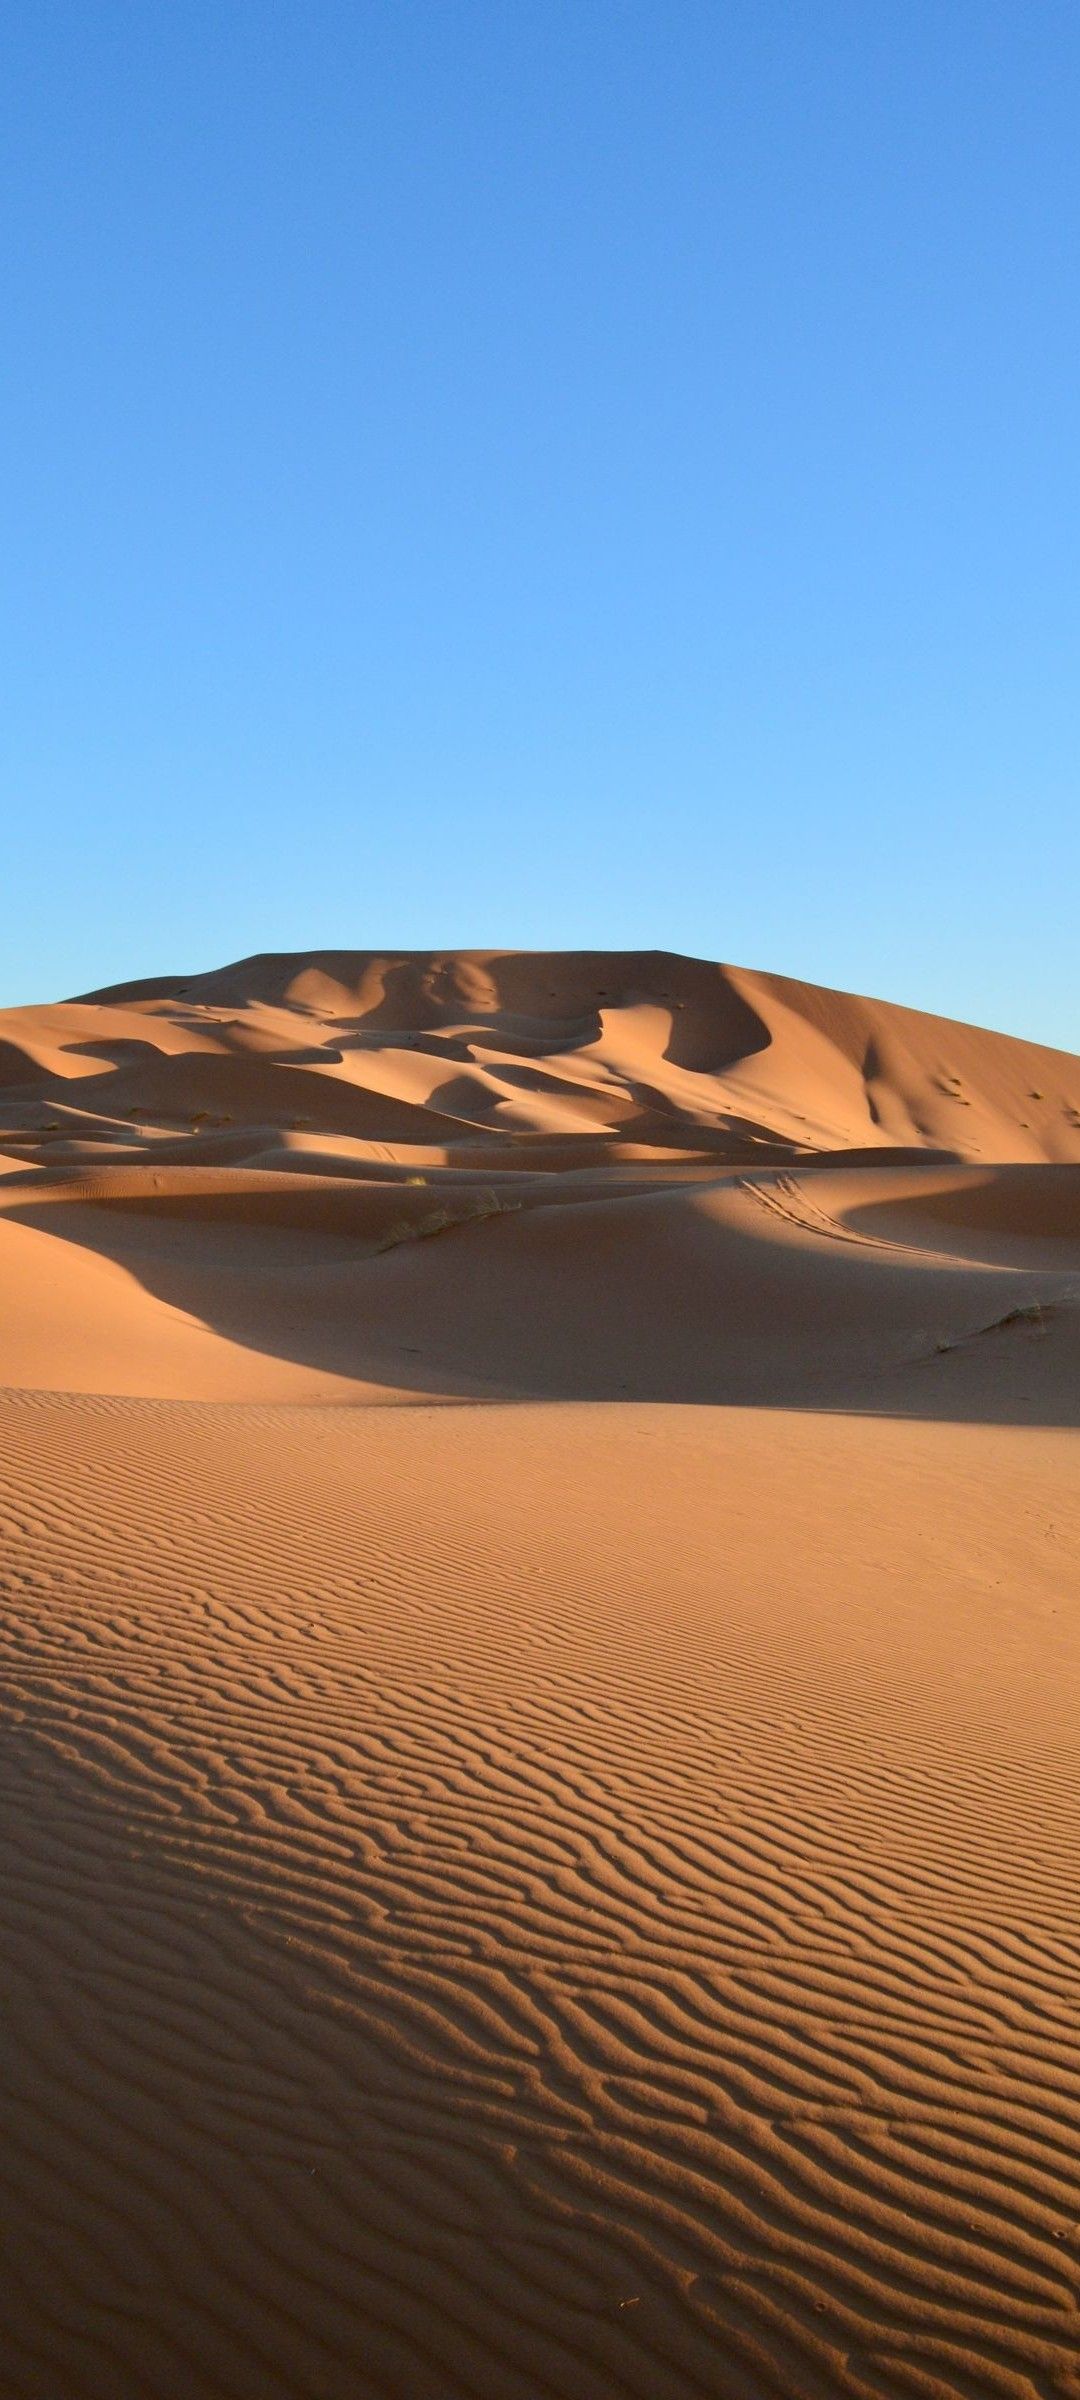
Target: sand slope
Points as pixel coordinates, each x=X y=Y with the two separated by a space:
x=564 y=1884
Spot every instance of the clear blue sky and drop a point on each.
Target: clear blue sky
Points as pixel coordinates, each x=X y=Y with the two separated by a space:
x=562 y=472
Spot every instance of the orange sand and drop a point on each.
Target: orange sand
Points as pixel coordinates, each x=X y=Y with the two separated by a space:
x=563 y=1886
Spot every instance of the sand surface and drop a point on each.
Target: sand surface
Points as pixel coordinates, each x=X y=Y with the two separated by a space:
x=540 y=1642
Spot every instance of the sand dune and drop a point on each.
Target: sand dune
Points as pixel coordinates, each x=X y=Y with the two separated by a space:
x=654 y=1177
x=540 y=1525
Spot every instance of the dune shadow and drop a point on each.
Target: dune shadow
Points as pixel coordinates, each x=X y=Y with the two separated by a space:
x=593 y=1301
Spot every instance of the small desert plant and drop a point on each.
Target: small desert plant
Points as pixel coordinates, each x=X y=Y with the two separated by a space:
x=443 y=1220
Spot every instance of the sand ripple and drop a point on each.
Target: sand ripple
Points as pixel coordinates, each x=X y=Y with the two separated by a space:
x=537 y=1901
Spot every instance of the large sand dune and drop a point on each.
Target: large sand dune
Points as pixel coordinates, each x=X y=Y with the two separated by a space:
x=566 y=1883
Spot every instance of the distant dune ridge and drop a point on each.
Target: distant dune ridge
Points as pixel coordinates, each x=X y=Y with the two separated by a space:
x=540 y=1650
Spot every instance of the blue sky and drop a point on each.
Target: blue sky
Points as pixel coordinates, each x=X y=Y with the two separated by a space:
x=545 y=474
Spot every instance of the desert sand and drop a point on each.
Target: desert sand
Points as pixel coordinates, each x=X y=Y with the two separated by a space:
x=540 y=1670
